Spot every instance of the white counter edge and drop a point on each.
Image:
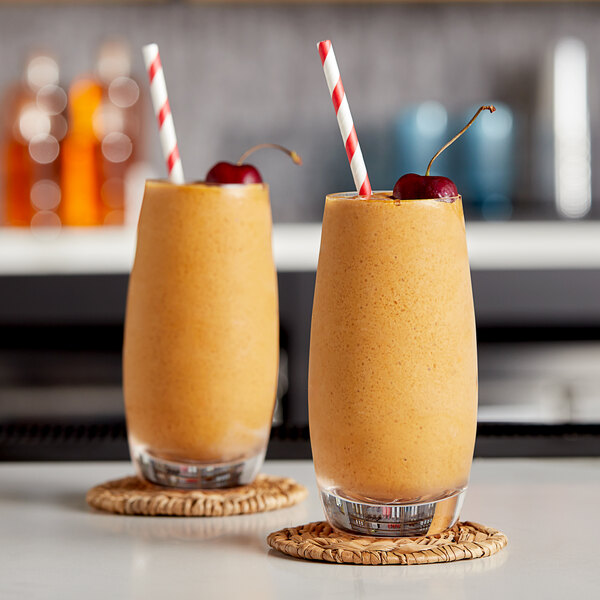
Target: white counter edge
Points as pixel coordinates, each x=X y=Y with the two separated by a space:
x=492 y=246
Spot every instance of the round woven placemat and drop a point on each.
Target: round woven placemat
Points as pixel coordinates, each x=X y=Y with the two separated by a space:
x=134 y=496
x=319 y=541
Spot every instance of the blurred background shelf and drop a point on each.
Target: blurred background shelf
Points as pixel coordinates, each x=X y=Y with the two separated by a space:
x=525 y=274
x=536 y=288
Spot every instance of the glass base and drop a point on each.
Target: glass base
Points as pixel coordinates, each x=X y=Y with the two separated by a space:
x=196 y=475
x=392 y=520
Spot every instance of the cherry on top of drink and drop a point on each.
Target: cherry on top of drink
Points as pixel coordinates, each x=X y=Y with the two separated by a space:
x=421 y=187
x=226 y=172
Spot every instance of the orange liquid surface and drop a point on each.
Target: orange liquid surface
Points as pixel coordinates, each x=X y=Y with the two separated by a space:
x=201 y=334
x=393 y=372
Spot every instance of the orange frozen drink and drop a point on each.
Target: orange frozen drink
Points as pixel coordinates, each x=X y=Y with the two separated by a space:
x=393 y=374
x=201 y=335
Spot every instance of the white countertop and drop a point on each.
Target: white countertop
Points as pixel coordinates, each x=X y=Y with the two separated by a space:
x=510 y=245
x=52 y=546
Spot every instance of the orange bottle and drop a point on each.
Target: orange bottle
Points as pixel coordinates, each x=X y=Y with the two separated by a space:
x=81 y=148
x=103 y=141
x=34 y=128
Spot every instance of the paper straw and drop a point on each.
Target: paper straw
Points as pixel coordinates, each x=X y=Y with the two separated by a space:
x=344 y=118
x=160 y=101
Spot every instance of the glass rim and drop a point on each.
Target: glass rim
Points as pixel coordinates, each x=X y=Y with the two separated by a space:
x=357 y=196
x=197 y=184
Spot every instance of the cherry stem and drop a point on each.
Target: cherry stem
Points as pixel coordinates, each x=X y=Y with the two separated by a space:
x=490 y=108
x=295 y=157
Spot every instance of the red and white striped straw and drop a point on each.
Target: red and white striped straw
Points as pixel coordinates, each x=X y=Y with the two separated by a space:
x=160 y=101
x=342 y=111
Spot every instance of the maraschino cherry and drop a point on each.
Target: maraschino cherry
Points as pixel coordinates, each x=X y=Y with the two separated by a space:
x=225 y=172
x=417 y=187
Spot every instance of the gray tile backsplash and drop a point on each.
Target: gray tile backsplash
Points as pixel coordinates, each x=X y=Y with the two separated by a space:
x=240 y=75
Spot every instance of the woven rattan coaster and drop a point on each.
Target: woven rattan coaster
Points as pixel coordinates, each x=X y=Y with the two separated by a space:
x=133 y=496
x=319 y=541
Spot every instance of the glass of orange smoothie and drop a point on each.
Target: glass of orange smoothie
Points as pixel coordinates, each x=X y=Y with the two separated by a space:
x=201 y=335
x=393 y=372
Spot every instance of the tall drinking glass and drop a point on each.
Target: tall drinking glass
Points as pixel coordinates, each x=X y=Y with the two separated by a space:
x=201 y=335
x=393 y=368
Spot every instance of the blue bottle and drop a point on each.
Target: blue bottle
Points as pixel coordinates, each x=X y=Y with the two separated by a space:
x=420 y=131
x=485 y=171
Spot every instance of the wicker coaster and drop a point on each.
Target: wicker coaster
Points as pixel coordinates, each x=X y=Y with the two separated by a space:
x=319 y=541
x=133 y=496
